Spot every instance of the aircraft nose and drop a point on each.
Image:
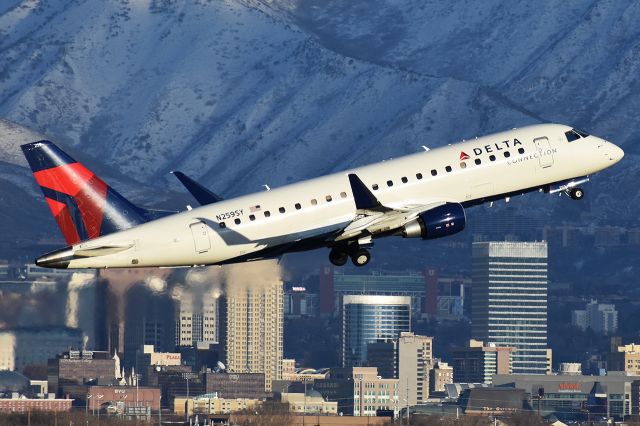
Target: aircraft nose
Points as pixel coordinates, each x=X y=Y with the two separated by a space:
x=615 y=153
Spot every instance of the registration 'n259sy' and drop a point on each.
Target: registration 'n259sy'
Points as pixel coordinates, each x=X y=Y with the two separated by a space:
x=229 y=215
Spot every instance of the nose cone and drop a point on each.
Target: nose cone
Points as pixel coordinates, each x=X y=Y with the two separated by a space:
x=616 y=153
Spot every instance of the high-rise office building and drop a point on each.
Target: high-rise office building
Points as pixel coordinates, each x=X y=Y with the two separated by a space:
x=414 y=362
x=408 y=359
x=509 y=301
x=148 y=320
x=197 y=319
x=431 y=294
x=600 y=317
x=367 y=319
x=254 y=330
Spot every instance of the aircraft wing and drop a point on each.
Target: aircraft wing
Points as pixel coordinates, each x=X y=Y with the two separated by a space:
x=373 y=218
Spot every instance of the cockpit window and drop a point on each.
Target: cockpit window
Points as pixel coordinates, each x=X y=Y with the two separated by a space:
x=571 y=136
x=581 y=133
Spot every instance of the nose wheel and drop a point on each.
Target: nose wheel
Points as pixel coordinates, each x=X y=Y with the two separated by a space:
x=576 y=193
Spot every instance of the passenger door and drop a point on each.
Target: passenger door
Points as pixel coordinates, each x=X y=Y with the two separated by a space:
x=545 y=153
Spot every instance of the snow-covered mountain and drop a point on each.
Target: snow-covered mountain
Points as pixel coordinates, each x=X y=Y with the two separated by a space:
x=240 y=93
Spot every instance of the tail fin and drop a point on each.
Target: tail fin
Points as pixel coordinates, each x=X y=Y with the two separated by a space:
x=83 y=205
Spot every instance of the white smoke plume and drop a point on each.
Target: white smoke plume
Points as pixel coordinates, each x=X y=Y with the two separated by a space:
x=241 y=277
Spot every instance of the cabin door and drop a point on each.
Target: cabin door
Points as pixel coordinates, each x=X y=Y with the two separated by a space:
x=545 y=153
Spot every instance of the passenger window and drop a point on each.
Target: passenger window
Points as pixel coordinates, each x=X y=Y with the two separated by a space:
x=222 y=225
x=507 y=154
x=267 y=213
x=448 y=169
x=281 y=210
x=478 y=161
x=404 y=179
x=374 y=186
x=343 y=195
x=418 y=176
x=298 y=206
x=328 y=198
x=237 y=221
x=571 y=136
x=463 y=165
x=252 y=217
x=520 y=150
x=389 y=183
x=314 y=202
x=434 y=172
x=492 y=157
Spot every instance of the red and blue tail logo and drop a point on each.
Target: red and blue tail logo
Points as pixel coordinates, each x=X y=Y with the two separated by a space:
x=83 y=205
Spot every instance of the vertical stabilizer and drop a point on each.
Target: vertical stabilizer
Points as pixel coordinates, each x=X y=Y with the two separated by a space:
x=83 y=205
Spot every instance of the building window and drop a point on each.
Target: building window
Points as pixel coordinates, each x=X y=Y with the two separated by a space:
x=434 y=172
x=237 y=221
x=314 y=202
x=478 y=161
x=298 y=206
x=448 y=169
x=404 y=179
x=343 y=195
x=267 y=213
x=252 y=217
x=418 y=176
x=328 y=198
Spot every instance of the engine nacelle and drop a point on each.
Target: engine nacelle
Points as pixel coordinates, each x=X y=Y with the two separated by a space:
x=444 y=220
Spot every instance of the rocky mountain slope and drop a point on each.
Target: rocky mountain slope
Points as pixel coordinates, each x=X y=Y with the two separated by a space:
x=240 y=93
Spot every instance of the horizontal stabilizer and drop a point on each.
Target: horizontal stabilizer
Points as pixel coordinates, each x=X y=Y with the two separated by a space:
x=91 y=251
x=199 y=192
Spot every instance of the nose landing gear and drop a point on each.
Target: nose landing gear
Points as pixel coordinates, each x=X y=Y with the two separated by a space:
x=576 y=193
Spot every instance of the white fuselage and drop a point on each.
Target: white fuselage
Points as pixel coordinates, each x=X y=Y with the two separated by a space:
x=538 y=155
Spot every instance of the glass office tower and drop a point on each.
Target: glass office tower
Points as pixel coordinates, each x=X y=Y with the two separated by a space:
x=367 y=319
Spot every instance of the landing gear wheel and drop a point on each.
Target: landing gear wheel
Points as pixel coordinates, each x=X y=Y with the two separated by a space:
x=361 y=257
x=338 y=257
x=576 y=193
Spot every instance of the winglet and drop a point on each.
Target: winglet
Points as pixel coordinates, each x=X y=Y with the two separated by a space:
x=364 y=199
x=199 y=192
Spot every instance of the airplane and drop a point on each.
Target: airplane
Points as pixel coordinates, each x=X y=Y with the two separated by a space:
x=423 y=195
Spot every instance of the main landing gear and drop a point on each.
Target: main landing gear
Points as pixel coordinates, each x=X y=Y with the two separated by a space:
x=576 y=193
x=359 y=256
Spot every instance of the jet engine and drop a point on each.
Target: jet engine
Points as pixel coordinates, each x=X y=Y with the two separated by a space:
x=438 y=222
